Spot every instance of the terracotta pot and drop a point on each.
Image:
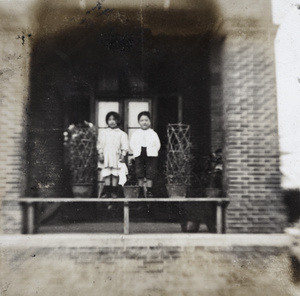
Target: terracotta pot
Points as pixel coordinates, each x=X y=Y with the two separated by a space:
x=131 y=191
x=176 y=190
x=82 y=190
x=213 y=192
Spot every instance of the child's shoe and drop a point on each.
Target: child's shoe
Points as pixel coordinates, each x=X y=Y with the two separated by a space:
x=114 y=192
x=106 y=192
x=149 y=192
x=141 y=193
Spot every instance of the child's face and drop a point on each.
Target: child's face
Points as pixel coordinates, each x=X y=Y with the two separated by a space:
x=144 y=122
x=112 y=122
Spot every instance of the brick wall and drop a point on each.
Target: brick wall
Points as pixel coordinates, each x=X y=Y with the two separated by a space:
x=45 y=142
x=251 y=153
x=13 y=96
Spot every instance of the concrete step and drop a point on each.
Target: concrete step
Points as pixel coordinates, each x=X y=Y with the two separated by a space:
x=146 y=264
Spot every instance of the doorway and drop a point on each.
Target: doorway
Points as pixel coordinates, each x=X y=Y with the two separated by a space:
x=163 y=109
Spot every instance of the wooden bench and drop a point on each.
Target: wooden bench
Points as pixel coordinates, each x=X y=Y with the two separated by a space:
x=29 y=208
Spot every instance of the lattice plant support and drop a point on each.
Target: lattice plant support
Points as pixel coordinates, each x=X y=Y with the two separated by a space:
x=179 y=166
x=82 y=154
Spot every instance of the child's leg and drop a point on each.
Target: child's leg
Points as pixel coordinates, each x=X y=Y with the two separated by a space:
x=150 y=174
x=141 y=188
x=140 y=173
x=107 y=188
x=107 y=180
x=149 y=188
x=149 y=183
x=114 y=182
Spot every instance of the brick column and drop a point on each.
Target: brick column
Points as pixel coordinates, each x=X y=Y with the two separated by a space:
x=13 y=96
x=251 y=153
x=216 y=102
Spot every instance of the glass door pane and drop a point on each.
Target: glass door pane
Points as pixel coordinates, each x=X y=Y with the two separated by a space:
x=134 y=108
x=103 y=108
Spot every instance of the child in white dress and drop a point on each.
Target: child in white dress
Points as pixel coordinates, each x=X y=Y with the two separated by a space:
x=112 y=148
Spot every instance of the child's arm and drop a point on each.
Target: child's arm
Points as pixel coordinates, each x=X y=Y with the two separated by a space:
x=157 y=141
x=124 y=146
x=133 y=141
x=100 y=147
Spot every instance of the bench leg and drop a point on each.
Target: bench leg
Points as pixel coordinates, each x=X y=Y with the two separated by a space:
x=219 y=217
x=126 y=217
x=30 y=218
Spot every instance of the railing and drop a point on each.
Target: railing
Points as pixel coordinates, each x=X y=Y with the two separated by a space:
x=29 y=207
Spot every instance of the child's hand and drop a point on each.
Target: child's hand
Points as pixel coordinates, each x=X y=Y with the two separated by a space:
x=101 y=158
x=122 y=158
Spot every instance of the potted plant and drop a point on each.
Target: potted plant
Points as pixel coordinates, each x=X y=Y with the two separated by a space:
x=131 y=188
x=212 y=174
x=81 y=156
x=210 y=182
x=179 y=160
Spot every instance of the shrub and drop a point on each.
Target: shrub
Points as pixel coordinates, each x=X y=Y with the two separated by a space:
x=80 y=145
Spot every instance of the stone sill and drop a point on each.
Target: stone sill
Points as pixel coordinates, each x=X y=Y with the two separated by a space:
x=218 y=241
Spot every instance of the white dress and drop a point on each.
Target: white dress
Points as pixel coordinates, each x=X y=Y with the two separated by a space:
x=112 y=143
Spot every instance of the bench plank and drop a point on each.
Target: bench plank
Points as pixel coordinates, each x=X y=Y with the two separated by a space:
x=156 y=199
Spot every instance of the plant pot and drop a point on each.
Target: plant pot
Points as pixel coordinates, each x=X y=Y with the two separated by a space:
x=176 y=190
x=82 y=190
x=190 y=226
x=213 y=192
x=131 y=191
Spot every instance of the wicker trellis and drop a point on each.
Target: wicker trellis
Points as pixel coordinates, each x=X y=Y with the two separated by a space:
x=179 y=154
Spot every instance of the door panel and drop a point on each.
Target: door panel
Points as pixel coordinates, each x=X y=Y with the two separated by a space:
x=103 y=108
x=133 y=108
x=128 y=110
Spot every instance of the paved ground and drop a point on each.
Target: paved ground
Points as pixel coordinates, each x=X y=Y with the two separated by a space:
x=115 y=227
x=152 y=264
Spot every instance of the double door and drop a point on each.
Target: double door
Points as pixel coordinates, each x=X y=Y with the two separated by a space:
x=128 y=110
x=163 y=109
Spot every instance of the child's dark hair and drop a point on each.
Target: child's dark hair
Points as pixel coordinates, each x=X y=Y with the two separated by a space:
x=116 y=116
x=144 y=113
